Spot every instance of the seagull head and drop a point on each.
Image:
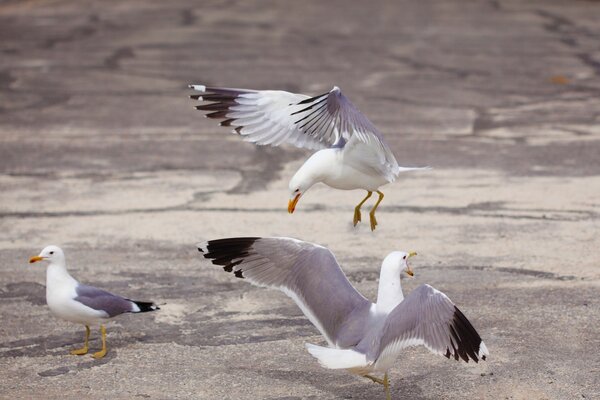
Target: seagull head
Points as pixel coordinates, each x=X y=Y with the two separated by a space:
x=405 y=269
x=316 y=169
x=298 y=186
x=51 y=254
x=398 y=260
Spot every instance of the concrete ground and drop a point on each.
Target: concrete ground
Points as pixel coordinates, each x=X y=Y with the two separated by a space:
x=102 y=154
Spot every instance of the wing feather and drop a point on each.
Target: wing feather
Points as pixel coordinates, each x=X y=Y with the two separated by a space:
x=306 y=272
x=428 y=317
x=272 y=117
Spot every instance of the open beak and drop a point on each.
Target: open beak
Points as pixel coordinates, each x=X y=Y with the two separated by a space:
x=292 y=203
x=409 y=270
x=35 y=259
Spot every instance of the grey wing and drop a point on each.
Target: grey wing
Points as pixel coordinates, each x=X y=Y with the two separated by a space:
x=428 y=317
x=306 y=272
x=271 y=117
x=264 y=117
x=102 y=300
x=365 y=148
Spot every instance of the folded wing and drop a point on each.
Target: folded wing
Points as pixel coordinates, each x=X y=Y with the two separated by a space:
x=101 y=300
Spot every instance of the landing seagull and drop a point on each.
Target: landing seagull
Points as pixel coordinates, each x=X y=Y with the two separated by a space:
x=362 y=337
x=352 y=153
x=74 y=302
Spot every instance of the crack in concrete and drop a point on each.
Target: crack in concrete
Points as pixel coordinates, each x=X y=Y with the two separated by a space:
x=113 y=61
x=471 y=209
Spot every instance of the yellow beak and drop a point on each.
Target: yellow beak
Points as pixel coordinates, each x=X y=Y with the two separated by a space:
x=409 y=270
x=292 y=203
x=35 y=259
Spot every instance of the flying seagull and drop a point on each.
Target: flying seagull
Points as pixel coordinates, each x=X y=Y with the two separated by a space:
x=362 y=337
x=352 y=153
x=75 y=302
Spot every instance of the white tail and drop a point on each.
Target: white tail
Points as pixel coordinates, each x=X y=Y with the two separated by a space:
x=200 y=88
x=406 y=169
x=337 y=358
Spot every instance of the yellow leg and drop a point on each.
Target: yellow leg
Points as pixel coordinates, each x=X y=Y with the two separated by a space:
x=357 y=208
x=102 y=352
x=374 y=379
x=386 y=385
x=372 y=212
x=84 y=349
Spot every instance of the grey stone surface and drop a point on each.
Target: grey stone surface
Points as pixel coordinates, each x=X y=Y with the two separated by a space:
x=102 y=154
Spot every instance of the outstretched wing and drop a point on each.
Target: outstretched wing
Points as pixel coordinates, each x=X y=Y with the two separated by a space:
x=428 y=317
x=306 y=272
x=272 y=117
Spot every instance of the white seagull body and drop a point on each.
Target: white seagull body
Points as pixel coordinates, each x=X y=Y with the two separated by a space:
x=72 y=301
x=352 y=153
x=362 y=336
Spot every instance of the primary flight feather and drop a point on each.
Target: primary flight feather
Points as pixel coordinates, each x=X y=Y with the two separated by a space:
x=352 y=153
x=362 y=337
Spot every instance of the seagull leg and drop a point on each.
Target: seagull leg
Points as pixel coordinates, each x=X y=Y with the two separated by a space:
x=357 y=208
x=102 y=352
x=84 y=349
x=374 y=379
x=386 y=385
x=372 y=212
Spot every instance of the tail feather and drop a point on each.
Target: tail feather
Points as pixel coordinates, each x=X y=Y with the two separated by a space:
x=143 y=306
x=406 y=169
x=337 y=358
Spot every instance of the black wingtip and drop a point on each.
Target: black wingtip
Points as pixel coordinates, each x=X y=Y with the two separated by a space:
x=229 y=252
x=466 y=338
x=146 y=306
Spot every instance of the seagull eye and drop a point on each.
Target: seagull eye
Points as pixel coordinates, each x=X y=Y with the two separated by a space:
x=404 y=258
x=51 y=252
x=296 y=191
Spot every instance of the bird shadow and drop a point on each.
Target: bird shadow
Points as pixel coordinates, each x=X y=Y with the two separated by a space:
x=340 y=385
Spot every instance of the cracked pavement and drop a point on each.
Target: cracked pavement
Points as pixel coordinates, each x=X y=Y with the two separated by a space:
x=102 y=154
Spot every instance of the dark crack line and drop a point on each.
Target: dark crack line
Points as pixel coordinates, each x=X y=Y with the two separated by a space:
x=476 y=211
x=509 y=270
x=114 y=60
x=567 y=33
x=456 y=72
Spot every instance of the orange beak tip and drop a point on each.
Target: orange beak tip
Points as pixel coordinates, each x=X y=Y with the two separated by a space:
x=292 y=204
x=35 y=259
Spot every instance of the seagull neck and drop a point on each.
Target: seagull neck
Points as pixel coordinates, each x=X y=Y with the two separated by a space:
x=389 y=293
x=57 y=274
x=319 y=166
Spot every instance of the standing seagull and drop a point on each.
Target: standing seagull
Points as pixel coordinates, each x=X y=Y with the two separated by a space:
x=363 y=337
x=72 y=301
x=352 y=153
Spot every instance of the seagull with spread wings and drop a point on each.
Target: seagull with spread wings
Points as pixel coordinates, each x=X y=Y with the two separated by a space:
x=83 y=304
x=352 y=153
x=362 y=337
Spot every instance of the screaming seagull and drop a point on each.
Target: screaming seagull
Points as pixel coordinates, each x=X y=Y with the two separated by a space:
x=74 y=302
x=362 y=337
x=352 y=153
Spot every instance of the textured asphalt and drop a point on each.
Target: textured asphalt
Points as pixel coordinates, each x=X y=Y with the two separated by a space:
x=102 y=154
